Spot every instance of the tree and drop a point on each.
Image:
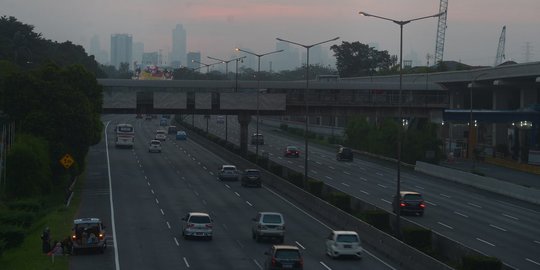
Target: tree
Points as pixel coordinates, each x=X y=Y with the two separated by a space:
x=357 y=59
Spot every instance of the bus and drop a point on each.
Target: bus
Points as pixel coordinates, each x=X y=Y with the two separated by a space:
x=125 y=135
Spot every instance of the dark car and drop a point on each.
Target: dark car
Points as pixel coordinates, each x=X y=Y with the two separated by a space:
x=283 y=257
x=409 y=202
x=345 y=153
x=257 y=139
x=88 y=234
x=251 y=177
x=291 y=151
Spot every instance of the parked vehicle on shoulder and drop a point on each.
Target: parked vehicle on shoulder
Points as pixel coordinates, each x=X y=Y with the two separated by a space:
x=345 y=153
x=409 y=202
x=270 y=225
x=161 y=135
x=291 y=151
x=88 y=234
x=251 y=178
x=344 y=243
x=197 y=224
x=283 y=257
x=155 y=146
x=181 y=135
x=228 y=172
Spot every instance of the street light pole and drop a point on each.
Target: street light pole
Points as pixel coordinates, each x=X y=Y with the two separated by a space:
x=401 y=24
x=305 y=98
x=471 y=124
x=258 y=91
x=226 y=65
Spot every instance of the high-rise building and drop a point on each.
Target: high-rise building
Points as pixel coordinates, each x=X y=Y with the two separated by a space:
x=193 y=56
x=178 y=54
x=289 y=59
x=150 y=58
x=121 y=49
x=95 y=48
x=138 y=50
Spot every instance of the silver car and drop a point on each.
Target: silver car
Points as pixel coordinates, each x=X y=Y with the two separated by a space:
x=268 y=225
x=228 y=172
x=155 y=146
x=197 y=224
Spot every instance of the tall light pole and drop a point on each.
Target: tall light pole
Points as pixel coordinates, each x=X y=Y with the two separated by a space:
x=258 y=91
x=305 y=98
x=471 y=124
x=401 y=24
x=226 y=62
x=206 y=65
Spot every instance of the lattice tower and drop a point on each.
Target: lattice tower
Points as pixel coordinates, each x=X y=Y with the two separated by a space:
x=441 y=31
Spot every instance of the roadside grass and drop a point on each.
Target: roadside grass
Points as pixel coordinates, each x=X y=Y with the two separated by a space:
x=28 y=255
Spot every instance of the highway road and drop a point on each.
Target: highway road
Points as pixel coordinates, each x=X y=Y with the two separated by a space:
x=149 y=193
x=493 y=224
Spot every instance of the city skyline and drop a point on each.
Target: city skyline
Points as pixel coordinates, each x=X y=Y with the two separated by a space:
x=215 y=27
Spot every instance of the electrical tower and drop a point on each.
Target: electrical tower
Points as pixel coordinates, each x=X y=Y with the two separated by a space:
x=500 y=49
x=441 y=31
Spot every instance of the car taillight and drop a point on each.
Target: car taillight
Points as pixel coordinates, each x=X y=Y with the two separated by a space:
x=273 y=261
x=190 y=225
x=402 y=204
x=422 y=205
x=302 y=262
x=208 y=225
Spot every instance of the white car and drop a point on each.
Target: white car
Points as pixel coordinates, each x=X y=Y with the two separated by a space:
x=344 y=243
x=161 y=135
x=155 y=146
x=197 y=224
x=228 y=172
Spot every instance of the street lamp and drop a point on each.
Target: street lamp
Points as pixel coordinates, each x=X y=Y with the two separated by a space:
x=258 y=91
x=305 y=98
x=401 y=24
x=226 y=64
x=471 y=124
x=206 y=65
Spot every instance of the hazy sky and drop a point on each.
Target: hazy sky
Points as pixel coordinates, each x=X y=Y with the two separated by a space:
x=216 y=27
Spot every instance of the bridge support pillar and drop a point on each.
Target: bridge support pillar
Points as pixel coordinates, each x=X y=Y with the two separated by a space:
x=243 y=120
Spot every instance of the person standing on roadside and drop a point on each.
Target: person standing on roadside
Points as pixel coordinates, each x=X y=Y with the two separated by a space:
x=46 y=240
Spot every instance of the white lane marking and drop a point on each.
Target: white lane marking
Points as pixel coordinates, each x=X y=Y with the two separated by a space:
x=237 y=194
x=419 y=187
x=148 y=183
x=163 y=213
x=509 y=216
x=227 y=186
x=363 y=179
x=157 y=201
x=211 y=173
x=347 y=173
x=323 y=224
x=204 y=167
x=379 y=174
x=345 y=184
x=300 y=166
x=177 y=172
x=386 y=201
x=193 y=158
x=461 y=214
x=325 y=266
x=332 y=168
x=485 y=242
x=168 y=225
x=447 y=226
x=365 y=192
x=300 y=245
x=257 y=263
x=279 y=157
x=313 y=171
x=183 y=178
x=529 y=260
x=204 y=202
x=428 y=202
x=329 y=178
x=444 y=195
x=186 y=262
x=383 y=186
x=145 y=177
x=497 y=227
x=362 y=168
x=536 y=241
x=290 y=162
x=113 y=224
x=475 y=205
x=239 y=244
x=198 y=163
x=196 y=193
x=176 y=241
x=318 y=162
x=152 y=191
x=249 y=203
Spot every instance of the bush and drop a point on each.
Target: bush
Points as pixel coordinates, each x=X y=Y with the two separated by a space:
x=252 y=157
x=340 y=200
x=276 y=169
x=296 y=178
x=32 y=205
x=315 y=187
x=3 y=244
x=12 y=235
x=283 y=126
x=418 y=238
x=17 y=218
x=377 y=218
x=481 y=263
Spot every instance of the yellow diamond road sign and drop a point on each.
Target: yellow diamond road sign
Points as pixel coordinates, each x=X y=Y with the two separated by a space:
x=67 y=160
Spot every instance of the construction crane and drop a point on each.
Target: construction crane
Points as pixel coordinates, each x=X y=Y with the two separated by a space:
x=500 y=49
x=441 y=31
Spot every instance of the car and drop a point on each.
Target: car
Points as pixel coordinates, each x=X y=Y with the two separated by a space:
x=163 y=122
x=171 y=129
x=283 y=257
x=344 y=243
x=197 y=224
x=228 y=172
x=88 y=234
x=291 y=151
x=161 y=135
x=270 y=225
x=257 y=139
x=148 y=117
x=181 y=135
x=220 y=119
x=155 y=146
x=251 y=177
x=345 y=153
x=408 y=202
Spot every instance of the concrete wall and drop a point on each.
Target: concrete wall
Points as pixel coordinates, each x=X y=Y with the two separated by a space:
x=170 y=100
